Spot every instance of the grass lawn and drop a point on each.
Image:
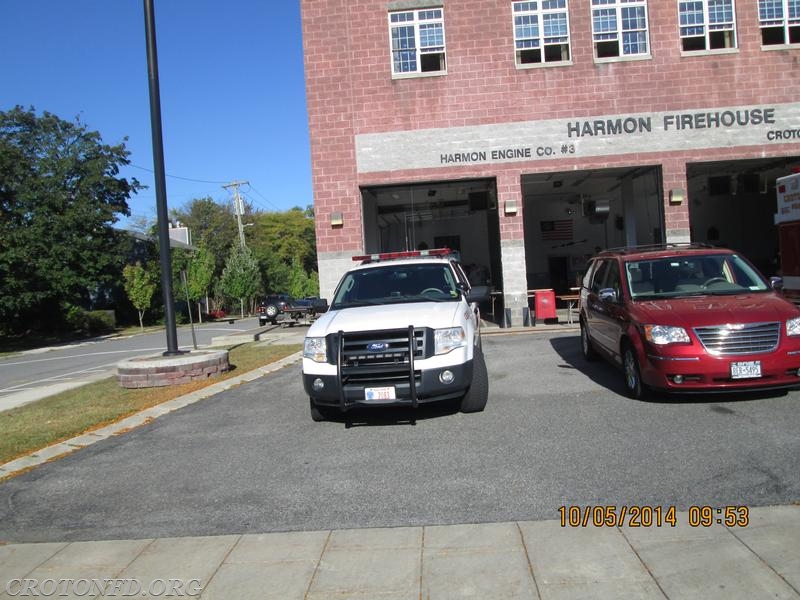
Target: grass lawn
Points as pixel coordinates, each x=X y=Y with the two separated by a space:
x=65 y=415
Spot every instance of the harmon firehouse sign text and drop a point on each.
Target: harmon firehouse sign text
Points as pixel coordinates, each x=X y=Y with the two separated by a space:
x=597 y=136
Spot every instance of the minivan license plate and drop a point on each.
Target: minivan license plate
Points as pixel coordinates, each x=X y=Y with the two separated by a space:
x=746 y=369
x=379 y=393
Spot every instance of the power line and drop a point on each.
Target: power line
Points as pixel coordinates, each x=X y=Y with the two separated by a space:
x=263 y=197
x=256 y=202
x=177 y=177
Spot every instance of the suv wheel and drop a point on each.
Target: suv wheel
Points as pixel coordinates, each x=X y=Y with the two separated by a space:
x=587 y=350
x=633 y=376
x=478 y=393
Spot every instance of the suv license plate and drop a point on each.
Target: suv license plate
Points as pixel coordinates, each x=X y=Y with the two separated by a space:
x=379 y=393
x=746 y=369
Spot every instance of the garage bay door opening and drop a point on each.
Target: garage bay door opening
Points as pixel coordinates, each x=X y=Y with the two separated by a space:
x=571 y=215
x=460 y=215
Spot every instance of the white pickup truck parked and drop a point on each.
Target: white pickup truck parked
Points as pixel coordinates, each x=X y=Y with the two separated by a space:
x=403 y=329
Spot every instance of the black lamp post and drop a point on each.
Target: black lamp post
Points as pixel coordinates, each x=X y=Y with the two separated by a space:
x=161 y=188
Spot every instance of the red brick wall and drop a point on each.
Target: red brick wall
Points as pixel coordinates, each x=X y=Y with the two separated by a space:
x=351 y=92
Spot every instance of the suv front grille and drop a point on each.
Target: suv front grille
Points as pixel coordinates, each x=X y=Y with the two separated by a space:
x=390 y=348
x=749 y=338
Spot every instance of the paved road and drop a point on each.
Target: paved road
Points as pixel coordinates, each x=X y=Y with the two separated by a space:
x=35 y=374
x=556 y=432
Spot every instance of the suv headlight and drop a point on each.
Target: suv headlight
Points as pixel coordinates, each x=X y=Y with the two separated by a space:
x=793 y=326
x=664 y=334
x=448 y=339
x=316 y=349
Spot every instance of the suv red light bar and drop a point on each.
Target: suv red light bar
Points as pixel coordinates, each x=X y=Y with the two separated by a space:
x=403 y=254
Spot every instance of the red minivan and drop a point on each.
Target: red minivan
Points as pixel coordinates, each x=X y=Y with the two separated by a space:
x=688 y=318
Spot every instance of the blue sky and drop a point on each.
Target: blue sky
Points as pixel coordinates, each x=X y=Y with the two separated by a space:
x=231 y=82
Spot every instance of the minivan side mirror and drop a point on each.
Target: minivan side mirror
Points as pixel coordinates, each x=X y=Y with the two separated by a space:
x=776 y=283
x=607 y=295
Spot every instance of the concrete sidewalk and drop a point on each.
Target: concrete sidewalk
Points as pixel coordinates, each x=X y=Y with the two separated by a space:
x=484 y=561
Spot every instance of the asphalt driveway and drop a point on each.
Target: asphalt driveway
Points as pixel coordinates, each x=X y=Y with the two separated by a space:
x=556 y=431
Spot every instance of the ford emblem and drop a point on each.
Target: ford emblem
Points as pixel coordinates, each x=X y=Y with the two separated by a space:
x=377 y=346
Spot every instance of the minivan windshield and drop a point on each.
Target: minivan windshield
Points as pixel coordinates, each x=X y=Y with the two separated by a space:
x=431 y=282
x=692 y=275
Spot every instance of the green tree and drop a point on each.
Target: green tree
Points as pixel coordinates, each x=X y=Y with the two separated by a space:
x=140 y=287
x=282 y=242
x=240 y=277
x=213 y=227
x=302 y=284
x=60 y=194
x=199 y=276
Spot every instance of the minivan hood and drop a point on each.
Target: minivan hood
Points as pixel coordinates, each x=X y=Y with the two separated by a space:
x=387 y=316
x=701 y=311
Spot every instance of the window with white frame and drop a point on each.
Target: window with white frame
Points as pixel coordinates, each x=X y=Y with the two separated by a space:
x=541 y=32
x=619 y=28
x=707 y=25
x=779 y=21
x=417 y=38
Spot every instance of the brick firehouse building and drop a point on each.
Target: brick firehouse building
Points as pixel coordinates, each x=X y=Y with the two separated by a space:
x=528 y=134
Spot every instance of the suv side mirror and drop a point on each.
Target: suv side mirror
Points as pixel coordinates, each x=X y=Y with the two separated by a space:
x=478 y=293
x=607 y=295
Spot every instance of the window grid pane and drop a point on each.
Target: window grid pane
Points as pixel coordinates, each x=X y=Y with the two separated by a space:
x=526 y=30
x=431 y=36
x=414 y=33
x=701 y=20
x=779 y=20
x=605 y=21
x=770 y=10
x=621 y=21
x=540 y=24
x=691 y=19
x=555 y=28
x=720 y=12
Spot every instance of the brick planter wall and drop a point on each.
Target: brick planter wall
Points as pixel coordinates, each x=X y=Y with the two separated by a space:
x=160 y=371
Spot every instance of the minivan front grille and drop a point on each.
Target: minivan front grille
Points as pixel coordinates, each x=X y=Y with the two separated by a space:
x=743 y=338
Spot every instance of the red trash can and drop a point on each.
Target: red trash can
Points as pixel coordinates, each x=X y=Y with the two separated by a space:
x=545 y=304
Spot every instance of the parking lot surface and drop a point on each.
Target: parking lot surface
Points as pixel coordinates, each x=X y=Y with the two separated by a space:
x=433 y=504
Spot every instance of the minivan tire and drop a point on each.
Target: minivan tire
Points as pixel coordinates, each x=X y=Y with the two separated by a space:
x=632 y=373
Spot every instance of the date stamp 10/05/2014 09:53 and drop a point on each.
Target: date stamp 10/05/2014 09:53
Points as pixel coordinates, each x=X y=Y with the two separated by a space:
x=652 y=516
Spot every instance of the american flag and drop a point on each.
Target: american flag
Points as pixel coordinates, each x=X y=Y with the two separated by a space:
x=556 y=230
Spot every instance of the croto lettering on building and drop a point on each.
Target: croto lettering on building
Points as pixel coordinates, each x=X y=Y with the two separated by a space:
x=527 y=134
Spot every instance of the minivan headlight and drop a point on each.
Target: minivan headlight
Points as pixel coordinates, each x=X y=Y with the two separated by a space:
x=665 y=334
x=448 y=339
x=793 y=326
x=316 y=349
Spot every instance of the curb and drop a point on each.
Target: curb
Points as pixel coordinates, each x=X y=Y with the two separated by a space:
x=60 y=449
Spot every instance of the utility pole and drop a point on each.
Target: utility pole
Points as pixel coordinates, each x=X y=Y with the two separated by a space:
x=237 y=206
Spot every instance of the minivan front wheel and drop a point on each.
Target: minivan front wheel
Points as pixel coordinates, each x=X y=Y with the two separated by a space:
x=633 y=375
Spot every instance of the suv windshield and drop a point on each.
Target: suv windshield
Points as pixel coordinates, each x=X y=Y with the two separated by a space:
x=398 y=283
x=690 y=275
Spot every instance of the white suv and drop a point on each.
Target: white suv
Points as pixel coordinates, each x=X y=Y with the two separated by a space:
x=403 y=329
